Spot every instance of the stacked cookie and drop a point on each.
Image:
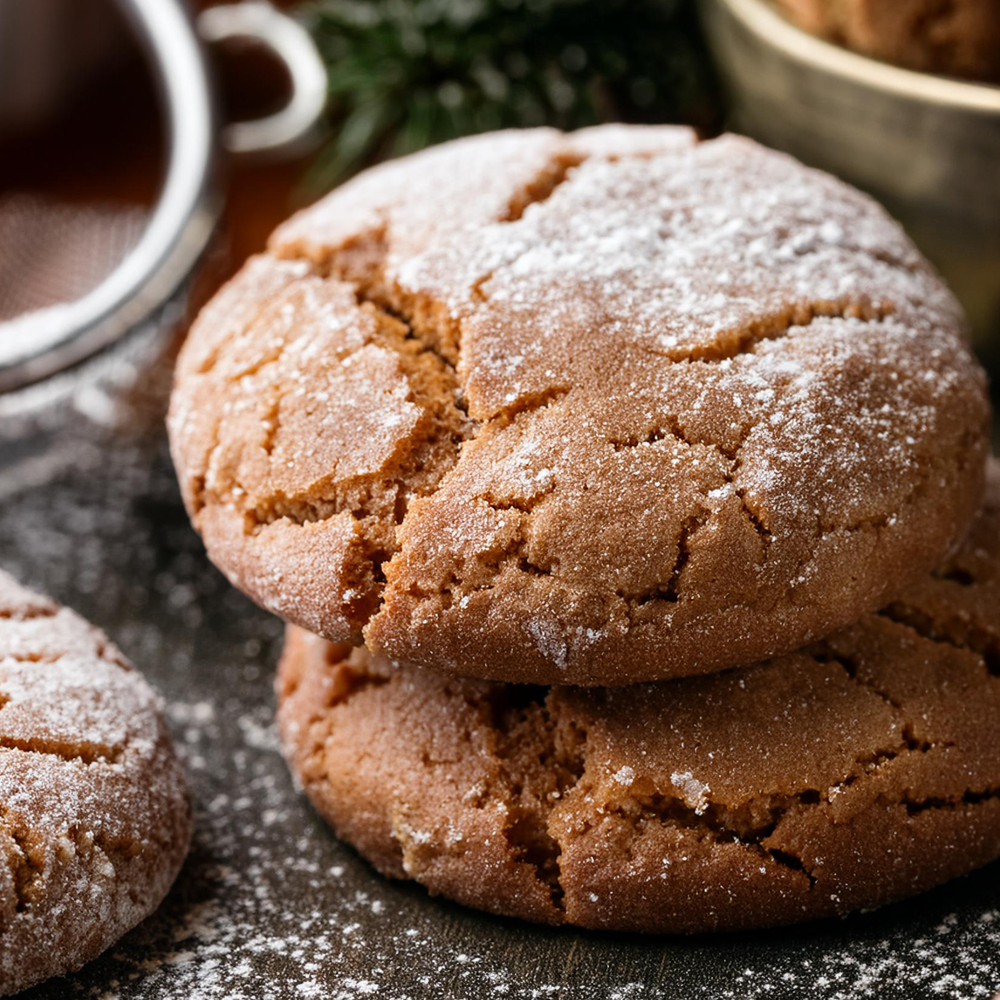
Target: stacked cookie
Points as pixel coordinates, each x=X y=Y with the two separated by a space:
x=544 y=438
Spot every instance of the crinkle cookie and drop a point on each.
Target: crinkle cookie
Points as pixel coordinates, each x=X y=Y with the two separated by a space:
x=957 y=37
x=857 y=771
x=593 y=409
x=94 y=811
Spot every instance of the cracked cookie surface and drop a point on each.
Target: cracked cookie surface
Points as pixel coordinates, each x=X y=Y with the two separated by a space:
x=94 y=811
x=857 y=771
x=593 y=408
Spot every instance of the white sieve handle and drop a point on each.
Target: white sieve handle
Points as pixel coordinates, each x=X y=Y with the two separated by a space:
x=294 y=124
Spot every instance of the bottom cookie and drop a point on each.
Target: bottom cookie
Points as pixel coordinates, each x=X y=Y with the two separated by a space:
x=857 y=772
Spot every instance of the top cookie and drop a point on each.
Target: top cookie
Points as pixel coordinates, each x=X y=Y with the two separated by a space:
x=590 y=409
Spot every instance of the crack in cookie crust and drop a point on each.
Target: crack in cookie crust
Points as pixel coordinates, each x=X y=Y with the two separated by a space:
x=85 y=753
x=94 y=812
x=855 y=772
x=435 y=366
x=958 y=633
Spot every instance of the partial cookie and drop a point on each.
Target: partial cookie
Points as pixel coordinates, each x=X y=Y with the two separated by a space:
x=95 y=817
x=588 y=409
x=960 y=37
x=856 y=772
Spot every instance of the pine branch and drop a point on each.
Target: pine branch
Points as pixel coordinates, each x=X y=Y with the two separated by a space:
x=408 y=73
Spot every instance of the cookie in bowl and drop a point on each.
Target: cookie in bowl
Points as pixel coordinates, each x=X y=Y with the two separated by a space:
x=959 y=38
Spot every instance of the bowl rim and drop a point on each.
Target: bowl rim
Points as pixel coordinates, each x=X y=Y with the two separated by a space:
x=775 y=31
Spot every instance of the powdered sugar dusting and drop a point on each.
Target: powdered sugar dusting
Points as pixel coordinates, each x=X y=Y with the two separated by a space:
x=270 y=905
x=344 y=932
x=585 y=333
x=694 y=792
x=94 y=819
x=625 y=775
x=704 y=341
x=668 y=254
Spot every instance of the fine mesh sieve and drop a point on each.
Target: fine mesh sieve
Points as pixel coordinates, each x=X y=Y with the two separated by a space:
x=54 y=251
x=84 y=288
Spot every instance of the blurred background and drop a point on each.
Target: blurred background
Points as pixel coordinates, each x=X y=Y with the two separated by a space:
x=274 y=111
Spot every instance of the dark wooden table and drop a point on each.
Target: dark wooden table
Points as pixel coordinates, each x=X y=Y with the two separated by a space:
x=270 y=905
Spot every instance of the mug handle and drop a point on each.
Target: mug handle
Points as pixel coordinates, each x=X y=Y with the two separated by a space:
x=289 y=129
